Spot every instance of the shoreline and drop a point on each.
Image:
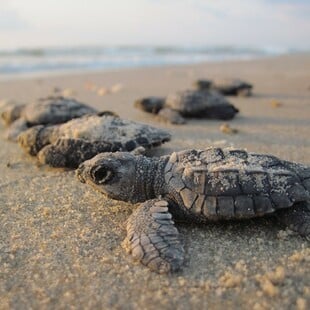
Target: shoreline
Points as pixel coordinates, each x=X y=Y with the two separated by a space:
x=72 y=72
x=60 y=241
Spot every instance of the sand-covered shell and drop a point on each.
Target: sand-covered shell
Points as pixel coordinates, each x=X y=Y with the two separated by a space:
x=207 y=104
x=222 y=183
x=191 y=102
x=69 y=144
x=49 y=110
x=44 y=111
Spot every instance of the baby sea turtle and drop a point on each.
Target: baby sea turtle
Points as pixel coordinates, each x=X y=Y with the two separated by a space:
x=226 y=86
x=197 y=186
x=49 y=110
x=189 y=103
x=69 y=144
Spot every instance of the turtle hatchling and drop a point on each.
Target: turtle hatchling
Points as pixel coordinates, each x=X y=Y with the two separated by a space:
x=69 y=144
x=226 y=86
x=197 y=186
x=49 y=110
x=189 y=103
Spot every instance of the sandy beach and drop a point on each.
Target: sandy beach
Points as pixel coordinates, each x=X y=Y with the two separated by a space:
x=60 y=241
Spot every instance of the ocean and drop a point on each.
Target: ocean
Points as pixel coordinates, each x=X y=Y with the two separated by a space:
x=48 y=60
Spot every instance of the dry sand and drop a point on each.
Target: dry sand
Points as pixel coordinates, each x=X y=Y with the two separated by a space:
x=60 y=242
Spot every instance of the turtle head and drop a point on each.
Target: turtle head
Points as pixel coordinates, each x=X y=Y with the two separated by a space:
x=113 y=174
x=12 y=113
x=203 y=84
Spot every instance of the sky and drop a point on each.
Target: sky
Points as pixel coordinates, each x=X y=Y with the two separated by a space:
x=248 y=23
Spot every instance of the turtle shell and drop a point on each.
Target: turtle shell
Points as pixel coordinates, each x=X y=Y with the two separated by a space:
x=193 y=102
x=225 y=184
x=108 y=128
x=228 y=86
x=55 y=110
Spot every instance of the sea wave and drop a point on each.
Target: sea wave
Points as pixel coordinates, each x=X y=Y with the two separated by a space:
x=31 y=60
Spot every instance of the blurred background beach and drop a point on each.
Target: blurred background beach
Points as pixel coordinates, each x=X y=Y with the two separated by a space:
x=52 y=36
x=72 y=59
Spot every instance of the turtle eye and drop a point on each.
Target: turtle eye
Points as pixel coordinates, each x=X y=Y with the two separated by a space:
x=101 y=175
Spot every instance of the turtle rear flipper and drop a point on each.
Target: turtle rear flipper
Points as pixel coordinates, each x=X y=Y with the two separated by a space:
x=153 y=239
x=224 y=112
x=296 y=218
x=71 y=152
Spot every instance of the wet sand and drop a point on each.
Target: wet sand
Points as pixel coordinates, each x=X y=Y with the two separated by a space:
x=60 y=241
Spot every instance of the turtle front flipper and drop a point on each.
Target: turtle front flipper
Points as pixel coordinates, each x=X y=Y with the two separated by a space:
x=150 y=104
x=296 y=218
x=71 y=152
x=15 y=129
x=107 y=113
x=153 y=239
x=203 y=84
x=244 y=92
x=171 y=116
x=12 y=113
x=34 y=139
